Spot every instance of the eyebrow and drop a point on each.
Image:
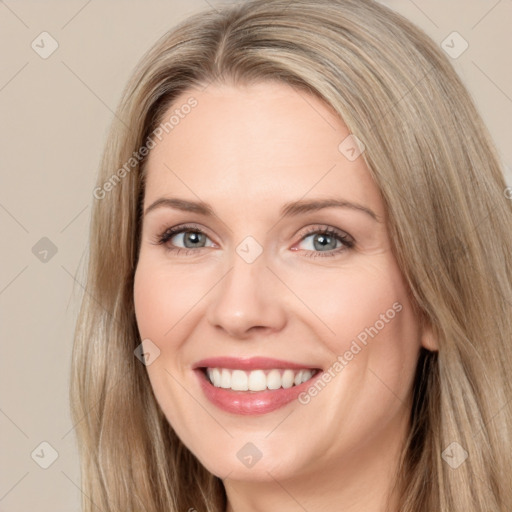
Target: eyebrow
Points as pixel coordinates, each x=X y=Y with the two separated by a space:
x=291 y=209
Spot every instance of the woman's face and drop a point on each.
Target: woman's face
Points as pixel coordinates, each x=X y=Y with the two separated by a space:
x=264 y=288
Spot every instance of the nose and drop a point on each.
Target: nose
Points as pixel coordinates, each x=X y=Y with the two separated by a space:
x=248 y=301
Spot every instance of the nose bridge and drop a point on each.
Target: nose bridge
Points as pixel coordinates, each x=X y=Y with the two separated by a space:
x=247 y=297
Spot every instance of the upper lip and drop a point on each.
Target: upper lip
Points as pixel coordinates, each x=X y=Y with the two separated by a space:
x=249 y=363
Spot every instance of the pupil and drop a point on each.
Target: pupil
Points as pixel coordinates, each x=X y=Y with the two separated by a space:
x=193 y=235
x=322 y=239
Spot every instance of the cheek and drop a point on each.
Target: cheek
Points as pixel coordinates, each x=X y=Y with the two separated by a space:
x=149 y=303
x=162 y=296
x=359 y=300
x=375 y=330
x=158 y=309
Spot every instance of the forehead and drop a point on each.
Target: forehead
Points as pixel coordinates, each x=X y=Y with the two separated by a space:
x=253 y=145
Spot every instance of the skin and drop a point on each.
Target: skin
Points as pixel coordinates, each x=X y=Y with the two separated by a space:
x=246 y=151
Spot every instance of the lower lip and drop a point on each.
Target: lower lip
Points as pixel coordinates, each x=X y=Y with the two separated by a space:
x=251 y=402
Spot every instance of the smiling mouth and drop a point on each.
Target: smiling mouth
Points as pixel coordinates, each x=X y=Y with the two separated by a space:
x=259 y=379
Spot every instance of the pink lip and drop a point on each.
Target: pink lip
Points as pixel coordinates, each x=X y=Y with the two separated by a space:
x=249 y=402
x=248 y=363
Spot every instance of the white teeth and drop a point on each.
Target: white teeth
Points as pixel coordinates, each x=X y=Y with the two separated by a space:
x=287 y=379
x=306 y=375
x=239 y=381
x=274 y=379
x=225 y=379
x=215 y=375
x=257 y=380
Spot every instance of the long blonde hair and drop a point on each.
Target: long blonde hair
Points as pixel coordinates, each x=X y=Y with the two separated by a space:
x=449 y=220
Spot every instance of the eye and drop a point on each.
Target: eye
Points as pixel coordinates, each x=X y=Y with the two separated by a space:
x=193 y=237
x=327 y=238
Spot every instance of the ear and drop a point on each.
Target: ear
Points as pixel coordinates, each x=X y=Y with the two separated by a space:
x=429 y=339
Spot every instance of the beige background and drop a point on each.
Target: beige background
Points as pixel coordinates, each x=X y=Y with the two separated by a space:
x=55 y=114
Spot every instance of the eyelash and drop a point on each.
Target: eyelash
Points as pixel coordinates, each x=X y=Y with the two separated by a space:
x=347 y=241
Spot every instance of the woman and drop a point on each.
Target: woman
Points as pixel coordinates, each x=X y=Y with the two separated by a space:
x=255 y=370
